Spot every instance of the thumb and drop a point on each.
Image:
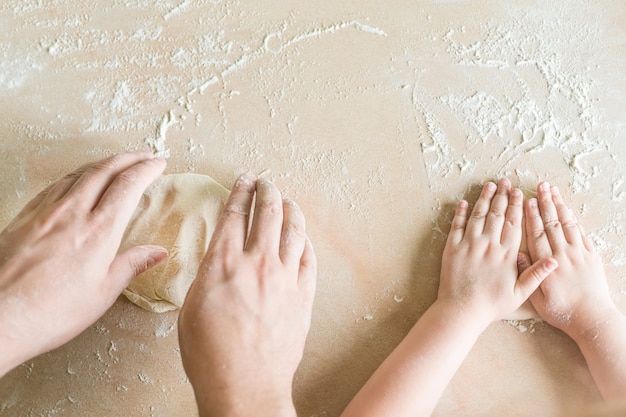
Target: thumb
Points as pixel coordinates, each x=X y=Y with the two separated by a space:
x=532 y=276
x=134 y=261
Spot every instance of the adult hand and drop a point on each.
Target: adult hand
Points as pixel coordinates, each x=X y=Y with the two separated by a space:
x=59 y=266
x=244 y=322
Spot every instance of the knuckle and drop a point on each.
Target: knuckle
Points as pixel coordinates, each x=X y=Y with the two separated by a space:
x=538 y=234
x=236 y=210
x=296 y=229
x=107 y=164
x=269 y=207
x=126 y=178
x=552 y=224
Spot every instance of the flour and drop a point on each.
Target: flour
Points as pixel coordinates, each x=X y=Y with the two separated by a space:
x=543 y=102
x=158 y=142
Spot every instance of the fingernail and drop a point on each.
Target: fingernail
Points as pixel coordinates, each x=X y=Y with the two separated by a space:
x=544 y=186
x=516 y=192
x=532 y=202
x=491 y=186
x=157 y=257
x=555 y=190
x=290 y=202
x=550 y=265
x=246 y=179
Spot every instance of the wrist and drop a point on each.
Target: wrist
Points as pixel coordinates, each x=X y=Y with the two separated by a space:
x=258 y=404
x=584 y=324
x=471 y=317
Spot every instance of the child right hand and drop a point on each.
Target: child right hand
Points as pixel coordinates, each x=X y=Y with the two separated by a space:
x=575 y=296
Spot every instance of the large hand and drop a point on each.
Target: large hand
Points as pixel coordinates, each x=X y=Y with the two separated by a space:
x=59 y=267
x=244 y=323
x=479 y=268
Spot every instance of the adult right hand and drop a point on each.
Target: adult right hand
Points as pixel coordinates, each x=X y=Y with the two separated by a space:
x=244 y=322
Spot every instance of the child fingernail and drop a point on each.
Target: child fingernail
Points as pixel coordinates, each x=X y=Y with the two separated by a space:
x=550 y=265
x=544 y=186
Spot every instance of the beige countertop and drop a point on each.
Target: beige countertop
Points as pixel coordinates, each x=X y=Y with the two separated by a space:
x=376 y=117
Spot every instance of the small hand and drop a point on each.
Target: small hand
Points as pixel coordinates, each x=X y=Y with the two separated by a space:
x=59 y=267
x=576 y=292
x=575 y=297
x=479 y=269
x=244 y=323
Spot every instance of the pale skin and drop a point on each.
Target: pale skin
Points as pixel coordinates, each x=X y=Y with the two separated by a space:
x=479 y=284
x=244 y=323
x=575 y=298
x=243 y=326
x=59 y=267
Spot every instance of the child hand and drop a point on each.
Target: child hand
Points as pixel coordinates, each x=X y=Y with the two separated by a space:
x=575 y=296
x=479 y=269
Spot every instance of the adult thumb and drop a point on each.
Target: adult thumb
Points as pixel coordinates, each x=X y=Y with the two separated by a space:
x=533 y=276
x=134 y=261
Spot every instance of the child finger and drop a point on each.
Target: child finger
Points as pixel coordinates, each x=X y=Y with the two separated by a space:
x=551 y=223
x=476 y=222
x=457 y=228
x=537 y=241
x=532 y=277
x=571 y=231
x=498 y=209
x=512 y=229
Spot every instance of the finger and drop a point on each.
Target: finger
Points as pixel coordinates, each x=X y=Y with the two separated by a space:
x=512 y=229
x=132 y=262
x=231 y=229
x=293 y=236
x=97 y=178
x=307 y=278
x=457 y=228
x=532 y=277
x=536 y=239
x=551 y=223
x=476 y=222
x=120 y=199
x=498 y=209
x=571 y=231
x=267 y=222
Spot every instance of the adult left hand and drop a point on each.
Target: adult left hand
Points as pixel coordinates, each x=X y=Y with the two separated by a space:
x=59 y=264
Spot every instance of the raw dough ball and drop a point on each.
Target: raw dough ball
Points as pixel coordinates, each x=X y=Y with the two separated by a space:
x=178 y=212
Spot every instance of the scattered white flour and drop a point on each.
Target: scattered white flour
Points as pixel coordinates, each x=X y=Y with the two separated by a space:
x=158 y=142
x=523 y=326
x=535 y=100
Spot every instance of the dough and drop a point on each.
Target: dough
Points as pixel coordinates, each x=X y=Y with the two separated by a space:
x=178 y=212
